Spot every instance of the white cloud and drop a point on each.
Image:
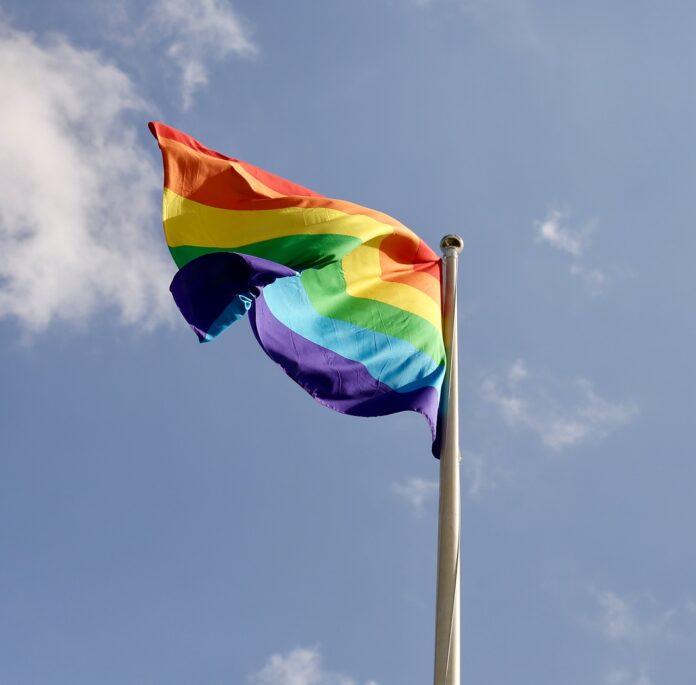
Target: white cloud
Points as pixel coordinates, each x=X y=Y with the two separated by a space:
x=559 y=424
x=198 y=32
x=630 y=618
x=553 y=231
x=616 y=619
x=78 y=205
x=417 y=492
x=641 y=630
x=517 y=372
x=299 y=667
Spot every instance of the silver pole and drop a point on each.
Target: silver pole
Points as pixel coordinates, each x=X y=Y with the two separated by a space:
x=447 y=603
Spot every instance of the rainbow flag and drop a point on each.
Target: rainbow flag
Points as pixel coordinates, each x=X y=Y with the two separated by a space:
x=345 y=299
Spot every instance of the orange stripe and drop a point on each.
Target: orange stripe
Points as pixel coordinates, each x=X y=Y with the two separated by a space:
x=164 y=134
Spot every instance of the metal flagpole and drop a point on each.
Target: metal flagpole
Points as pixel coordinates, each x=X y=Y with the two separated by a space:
x=447 y=603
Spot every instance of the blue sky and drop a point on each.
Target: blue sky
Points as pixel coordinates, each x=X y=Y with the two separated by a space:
x=176 y=513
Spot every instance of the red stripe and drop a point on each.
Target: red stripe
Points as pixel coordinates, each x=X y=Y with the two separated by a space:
x=160 y=130
x=277 y=183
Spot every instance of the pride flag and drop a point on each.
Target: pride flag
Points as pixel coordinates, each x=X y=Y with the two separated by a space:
x=345 y=299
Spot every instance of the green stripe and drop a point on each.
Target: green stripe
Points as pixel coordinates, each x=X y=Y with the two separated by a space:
x=298 y=251
x=326 y=289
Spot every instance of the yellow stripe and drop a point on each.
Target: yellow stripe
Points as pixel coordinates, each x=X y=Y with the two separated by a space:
x=191 y=223
x=362 y=271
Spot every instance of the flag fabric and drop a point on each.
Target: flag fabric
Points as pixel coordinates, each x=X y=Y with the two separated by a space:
x=344 y=298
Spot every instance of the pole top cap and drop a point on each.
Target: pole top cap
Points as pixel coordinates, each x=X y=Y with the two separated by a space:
x=452 y=243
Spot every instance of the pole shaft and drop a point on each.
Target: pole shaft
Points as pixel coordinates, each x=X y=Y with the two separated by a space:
x=448 y=553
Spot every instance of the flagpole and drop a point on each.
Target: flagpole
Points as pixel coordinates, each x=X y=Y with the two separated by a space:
x=447 y=603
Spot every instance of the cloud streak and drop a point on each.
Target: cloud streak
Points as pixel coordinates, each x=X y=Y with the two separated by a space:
x=417 y=492
x=624 y=677
x=630 y=618
x=196 y=33
x=559 y=424
x=641 y=629
x=617 y=620
x=553 y=231
x=475 y=477
x=78 y=204
x=299 y=667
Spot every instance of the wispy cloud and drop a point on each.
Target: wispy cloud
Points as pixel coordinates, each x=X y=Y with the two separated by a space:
x=420 y=492
x=554 y=231
x=417 y=492
x=641 y=631
x=630 y=618
x=196 y=33
x=78 y=204
x=616 y=620
x=595 y=279
x=625 y=677
x=559 y=422
x=299 y=667
x=475 y=477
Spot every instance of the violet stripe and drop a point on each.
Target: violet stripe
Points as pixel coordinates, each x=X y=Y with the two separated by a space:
x=333 y=380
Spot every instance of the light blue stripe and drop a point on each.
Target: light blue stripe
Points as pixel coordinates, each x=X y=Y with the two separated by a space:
x=392 y=361
x=234 y=311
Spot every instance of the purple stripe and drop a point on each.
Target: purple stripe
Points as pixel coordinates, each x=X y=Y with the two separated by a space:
x=214 y=290
x=336 y=382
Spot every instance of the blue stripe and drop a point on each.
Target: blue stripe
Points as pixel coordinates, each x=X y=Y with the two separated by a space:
x=392 y=361
x=235 y=310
